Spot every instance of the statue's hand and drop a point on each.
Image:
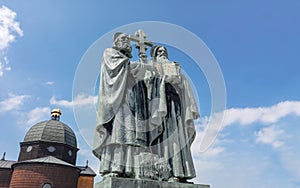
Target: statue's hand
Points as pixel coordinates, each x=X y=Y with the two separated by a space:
x=137 y=70
x=148 y=76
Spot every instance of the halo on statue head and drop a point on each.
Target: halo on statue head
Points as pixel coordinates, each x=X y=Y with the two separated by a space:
x=87 y=73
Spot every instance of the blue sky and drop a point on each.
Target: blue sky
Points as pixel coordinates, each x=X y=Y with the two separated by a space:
x=256 y=44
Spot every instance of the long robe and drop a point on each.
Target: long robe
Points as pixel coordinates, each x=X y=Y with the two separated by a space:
x=121 y=126
x=124 y=116
x=173 y=111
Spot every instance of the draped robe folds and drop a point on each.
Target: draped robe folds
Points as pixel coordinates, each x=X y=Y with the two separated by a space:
x=129 y=123
x=120 y=130
x=172 y=131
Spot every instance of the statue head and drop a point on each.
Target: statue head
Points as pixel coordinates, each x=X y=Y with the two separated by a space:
x=159 y=53
x=122 y=43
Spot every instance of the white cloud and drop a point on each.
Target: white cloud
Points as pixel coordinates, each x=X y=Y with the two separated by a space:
x=4 y=66
x=8 y=68
x=14 y=102
x=9 y=29
x=265 y=115
x=80 y=100
x=212 y=151
x=49 y=83
x=269 y=135
x=228 y=163
x=37 y=114
x=1 y=69
x=246 y=116
x=235 y=161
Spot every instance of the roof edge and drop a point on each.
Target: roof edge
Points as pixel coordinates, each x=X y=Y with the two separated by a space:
x=36 y=162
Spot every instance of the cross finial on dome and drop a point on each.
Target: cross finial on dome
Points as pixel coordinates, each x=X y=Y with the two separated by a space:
x=55 y=114
x=86 y=163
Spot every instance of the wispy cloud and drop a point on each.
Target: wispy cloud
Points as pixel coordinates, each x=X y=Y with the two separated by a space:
x=265 y=115
x=14 y=102
x=9 y=29
x=245 y=116
x=4 y=66
x=228 y=155
x=270 y=135
x=79 y=100
x=37 y=114
x=49 y=83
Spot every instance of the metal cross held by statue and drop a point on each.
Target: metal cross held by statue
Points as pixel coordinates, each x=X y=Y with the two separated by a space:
x=141 y=44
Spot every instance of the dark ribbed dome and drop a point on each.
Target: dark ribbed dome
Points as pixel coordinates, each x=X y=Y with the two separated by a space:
x=51 y=131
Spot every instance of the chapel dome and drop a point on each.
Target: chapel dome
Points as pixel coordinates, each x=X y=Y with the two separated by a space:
x=52 y=131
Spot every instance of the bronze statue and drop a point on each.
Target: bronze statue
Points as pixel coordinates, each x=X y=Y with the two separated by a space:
x=145 y=114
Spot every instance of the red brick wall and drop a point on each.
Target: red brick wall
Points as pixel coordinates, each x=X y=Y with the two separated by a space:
x=35 y=175
x=5 y=175
x=85 y=182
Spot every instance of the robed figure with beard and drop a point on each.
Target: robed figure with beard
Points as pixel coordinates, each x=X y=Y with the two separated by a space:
x=121 y=126
x=143 y=108
x=173 y=110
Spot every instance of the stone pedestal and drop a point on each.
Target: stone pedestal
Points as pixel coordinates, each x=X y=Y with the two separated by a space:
x=114 y=182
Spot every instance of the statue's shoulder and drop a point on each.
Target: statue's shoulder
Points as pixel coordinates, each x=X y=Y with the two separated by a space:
x=112 y=53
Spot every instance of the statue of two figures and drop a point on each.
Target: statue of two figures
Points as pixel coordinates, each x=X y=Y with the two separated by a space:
x=145 y=116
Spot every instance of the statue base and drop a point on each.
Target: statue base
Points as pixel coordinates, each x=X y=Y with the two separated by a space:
x=114 y=182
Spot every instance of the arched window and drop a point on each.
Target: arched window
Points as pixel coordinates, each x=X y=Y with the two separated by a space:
x=46 y=185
